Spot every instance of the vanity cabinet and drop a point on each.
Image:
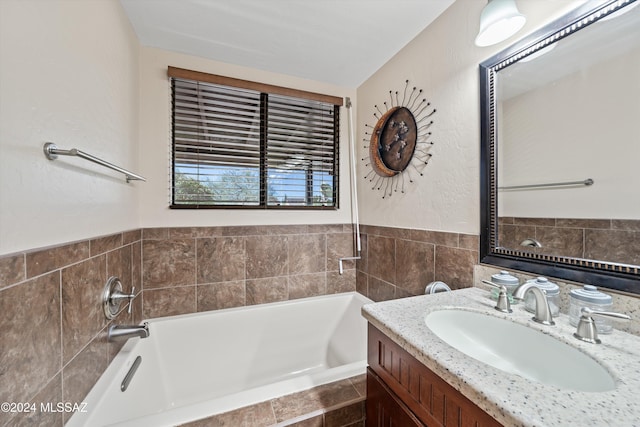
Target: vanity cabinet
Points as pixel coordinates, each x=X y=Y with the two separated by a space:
x=401 y=391
x=384 y=409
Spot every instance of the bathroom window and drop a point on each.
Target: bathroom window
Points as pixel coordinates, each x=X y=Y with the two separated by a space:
x=241 y=144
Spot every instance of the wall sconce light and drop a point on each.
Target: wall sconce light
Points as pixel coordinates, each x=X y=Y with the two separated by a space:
x=499 y=20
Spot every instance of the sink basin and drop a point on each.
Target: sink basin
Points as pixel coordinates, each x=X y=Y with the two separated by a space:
x=518 y=349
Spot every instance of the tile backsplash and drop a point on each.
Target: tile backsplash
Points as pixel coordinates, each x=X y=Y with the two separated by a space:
x=623 y=303
x=400 y=262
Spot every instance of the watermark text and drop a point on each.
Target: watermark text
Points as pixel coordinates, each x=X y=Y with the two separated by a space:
x=26 y=407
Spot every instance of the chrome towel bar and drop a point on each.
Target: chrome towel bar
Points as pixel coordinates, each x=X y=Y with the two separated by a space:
x=586 y=182
x=51 y=151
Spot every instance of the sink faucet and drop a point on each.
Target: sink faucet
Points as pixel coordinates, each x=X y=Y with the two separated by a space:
x=543 y=312
x=124 y=332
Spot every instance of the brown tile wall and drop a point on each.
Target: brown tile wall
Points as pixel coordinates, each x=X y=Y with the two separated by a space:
x=52 y=345
x=400 y=262
x=604 y=239
x=338 y=404
x=187 y=270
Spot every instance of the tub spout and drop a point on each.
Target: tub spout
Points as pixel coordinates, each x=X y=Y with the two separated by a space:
x=124 y=332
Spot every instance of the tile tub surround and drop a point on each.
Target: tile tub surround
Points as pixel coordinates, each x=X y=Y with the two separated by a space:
x=337 y=404
x=53 y=346
x=614 y=240
x=400 y=262
x=622 y=302
x=511 y=399
x=187 y=270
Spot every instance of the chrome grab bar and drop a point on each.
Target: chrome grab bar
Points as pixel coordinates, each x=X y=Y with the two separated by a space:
x=587 y=182
x=51 y=151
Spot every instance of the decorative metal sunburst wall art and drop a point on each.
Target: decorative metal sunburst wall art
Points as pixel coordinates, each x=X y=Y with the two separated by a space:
x=399 y=142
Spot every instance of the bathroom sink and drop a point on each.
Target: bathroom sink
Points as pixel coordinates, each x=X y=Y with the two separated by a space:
x=518 y=349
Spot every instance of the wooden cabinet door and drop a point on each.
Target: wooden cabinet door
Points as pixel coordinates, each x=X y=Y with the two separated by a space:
x=384 y=409
x=431 y=399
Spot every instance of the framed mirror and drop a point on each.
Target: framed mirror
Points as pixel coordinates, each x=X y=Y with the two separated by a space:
x=560 y=149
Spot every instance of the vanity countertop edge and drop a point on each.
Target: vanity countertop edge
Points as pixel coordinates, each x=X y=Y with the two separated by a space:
x=511 y=399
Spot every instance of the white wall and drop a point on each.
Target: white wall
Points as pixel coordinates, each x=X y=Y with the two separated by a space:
x=155 y=146
x=72 y=72
x=68 y=74
x=443 y=61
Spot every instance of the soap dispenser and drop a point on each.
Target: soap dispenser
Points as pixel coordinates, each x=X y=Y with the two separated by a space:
x=508 y=281
x=590 y=297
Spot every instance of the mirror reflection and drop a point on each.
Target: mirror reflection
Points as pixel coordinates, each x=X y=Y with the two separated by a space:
x=568 y=115
x=566 y=147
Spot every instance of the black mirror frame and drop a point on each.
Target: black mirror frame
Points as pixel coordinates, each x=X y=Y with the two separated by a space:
x=608 y=275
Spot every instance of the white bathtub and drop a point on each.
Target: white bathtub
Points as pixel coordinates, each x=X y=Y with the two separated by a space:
x=201 y=364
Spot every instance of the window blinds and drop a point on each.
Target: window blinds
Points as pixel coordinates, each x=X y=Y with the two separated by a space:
x=236 y=147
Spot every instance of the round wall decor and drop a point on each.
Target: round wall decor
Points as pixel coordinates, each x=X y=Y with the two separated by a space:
x=399 y=141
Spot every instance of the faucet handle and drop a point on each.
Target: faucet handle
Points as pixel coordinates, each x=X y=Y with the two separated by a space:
x=587 y=330
x=112 y=297
x=503 y=304
x=131 y=296
x=616 y=316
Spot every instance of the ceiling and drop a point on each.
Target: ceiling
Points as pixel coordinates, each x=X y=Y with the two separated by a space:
x=341 y=42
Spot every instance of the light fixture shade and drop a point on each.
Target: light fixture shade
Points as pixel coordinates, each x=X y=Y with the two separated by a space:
x=499 y=20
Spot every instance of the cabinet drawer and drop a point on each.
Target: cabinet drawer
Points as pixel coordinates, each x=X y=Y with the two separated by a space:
x=429 y=397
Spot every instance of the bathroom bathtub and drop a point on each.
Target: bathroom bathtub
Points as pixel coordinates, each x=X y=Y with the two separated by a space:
x=201 y=364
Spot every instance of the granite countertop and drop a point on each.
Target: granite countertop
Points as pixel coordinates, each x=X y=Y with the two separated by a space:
x=510 y=398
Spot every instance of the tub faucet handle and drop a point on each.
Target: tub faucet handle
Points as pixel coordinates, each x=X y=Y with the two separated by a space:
x=118 y=296
x=113 y=296
x=131 y=296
